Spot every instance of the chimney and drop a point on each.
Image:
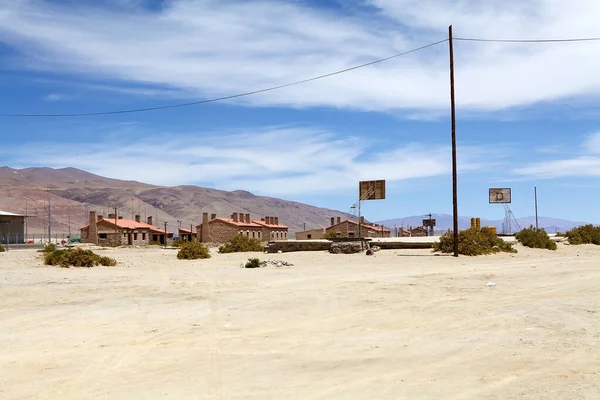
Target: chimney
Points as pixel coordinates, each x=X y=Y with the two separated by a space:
x=112 y=216
x=204 y=231
x=262 y=219
x=268 y=220
x=137 y=218
x=247 y=218
x=362 y=220
x=339 y=219
x=92 y=234
x=120 y=217
x=234 y=217
x=100 y=217
x=332 y=221
x=213 y=216
x=276 y=221
x=150 y=220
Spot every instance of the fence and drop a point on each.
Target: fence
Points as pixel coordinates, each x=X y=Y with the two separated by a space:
x=34 y=239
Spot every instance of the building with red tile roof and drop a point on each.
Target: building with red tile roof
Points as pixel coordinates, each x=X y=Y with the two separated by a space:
x=222 y=230
x=116 y=230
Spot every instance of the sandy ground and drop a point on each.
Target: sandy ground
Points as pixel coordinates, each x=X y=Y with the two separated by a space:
x=400 y=325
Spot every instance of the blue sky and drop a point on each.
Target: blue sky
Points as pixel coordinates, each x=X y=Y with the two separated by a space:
x=527 y=113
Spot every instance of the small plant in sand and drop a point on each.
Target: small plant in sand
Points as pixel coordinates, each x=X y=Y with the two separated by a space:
x=192 y=251
x=473 y=242
x=586 y=234
x=2 y=249
x=77 y=258
x=333 y=235
x=48 y=248
x=253 y=263
x=241 y=244
x=535 y=238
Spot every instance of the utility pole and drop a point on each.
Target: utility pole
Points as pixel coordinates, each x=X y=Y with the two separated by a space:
x=166 y=233
x=49 y=221
x=116 y=227
x=454 y=173
x=305 y=227
x=536 y=208
x=25 y=219
x=132 y=209
x=69 y=212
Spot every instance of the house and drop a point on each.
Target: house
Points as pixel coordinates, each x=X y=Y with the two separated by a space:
x=349 y=228
x=311 y=234
x=186 y=235
x=419 y=231
x=116 y=231
x=12 y=228
x=221 y=230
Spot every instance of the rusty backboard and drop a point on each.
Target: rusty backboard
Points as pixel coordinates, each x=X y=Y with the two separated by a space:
x=371 y=190
x=500 y=195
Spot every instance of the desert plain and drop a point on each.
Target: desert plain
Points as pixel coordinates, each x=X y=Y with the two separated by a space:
x=403 y=324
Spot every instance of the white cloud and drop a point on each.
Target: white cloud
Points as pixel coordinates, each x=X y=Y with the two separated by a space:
x=586 y=164
x=592 y=144
x=210 y=48
x=274 y=161
x=54 y=97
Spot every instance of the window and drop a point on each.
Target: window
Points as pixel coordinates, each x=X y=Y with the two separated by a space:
x=248 y=233
x=102 y=235
x=259 y=235
x=135 y=236
x=143 y=235
x=125 y=234
x=350 y=234
x=253 y=233
x=309 y=236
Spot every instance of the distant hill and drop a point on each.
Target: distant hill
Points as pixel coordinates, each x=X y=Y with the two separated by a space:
x=73 y=192
x=444 y=221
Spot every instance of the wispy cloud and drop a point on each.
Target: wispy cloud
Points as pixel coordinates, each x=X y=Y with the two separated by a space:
x=54 y=97
x=585 y=164
x=273 y=160
x=212 y=48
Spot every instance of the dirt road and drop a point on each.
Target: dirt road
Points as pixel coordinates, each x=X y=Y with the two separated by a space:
x=400 y=325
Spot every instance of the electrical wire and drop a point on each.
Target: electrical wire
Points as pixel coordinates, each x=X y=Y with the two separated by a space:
x=527 y=40
x=234 y=96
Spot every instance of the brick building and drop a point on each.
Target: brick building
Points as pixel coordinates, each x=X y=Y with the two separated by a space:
x=118 y=231
x=221 y=230
x=311 y=234
x=349 y=228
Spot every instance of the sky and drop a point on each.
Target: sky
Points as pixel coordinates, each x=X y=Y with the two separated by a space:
x=527 y=113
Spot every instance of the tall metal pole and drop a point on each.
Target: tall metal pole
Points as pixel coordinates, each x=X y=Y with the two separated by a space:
x=536 y=208
x=454 y=173
x=132 y=209
x=49 y=221
x=116 y=228
x=166 y=233
x=25 y=220
x=69 y=212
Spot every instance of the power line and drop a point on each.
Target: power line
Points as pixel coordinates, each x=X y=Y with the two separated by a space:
x=591 y=39
x=213 y=100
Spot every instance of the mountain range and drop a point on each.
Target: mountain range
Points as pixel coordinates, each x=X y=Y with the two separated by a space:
x=72 y=193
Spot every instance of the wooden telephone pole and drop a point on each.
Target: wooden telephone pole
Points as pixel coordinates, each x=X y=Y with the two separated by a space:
x=454 y=173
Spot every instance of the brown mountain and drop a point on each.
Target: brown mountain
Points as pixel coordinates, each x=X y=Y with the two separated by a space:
x=72 y=193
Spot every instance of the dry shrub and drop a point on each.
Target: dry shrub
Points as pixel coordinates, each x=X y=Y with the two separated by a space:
x=77 y=258
x=48 y=248
x=253 y=263
x=241 y=244
x=586 y=234
x=473 y=242
x=2 y=249
x=535 y=238
x=192 y=251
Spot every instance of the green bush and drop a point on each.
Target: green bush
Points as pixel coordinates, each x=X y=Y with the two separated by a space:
x=253 y=263
x=178 y=243
x=192 y=251
x=473 y=242
x=241 y=244
x=77 y=258
x=2 y=249
x=535 y=238
x=586 y=234
x=48 y=248
x=154 y=243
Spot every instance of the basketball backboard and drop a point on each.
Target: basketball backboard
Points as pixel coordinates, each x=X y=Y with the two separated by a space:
x=371 y=190
x=500 y=195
